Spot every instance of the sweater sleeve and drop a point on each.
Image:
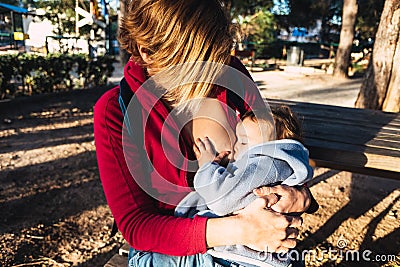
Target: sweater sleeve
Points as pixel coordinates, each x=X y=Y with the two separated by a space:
x=137 y=216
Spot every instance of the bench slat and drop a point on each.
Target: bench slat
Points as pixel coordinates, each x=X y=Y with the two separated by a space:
x=336 y=112
x=357 y=115
x=367 y=125
x=351 y=136
x=353 y=156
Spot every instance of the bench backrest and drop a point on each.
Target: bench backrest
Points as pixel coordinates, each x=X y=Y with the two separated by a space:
x=357 y=140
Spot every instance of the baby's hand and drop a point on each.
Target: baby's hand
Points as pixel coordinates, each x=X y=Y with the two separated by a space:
x=204 y=150
x=222 y=158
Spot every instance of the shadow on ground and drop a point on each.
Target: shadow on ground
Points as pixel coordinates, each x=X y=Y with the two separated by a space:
x=51 y=200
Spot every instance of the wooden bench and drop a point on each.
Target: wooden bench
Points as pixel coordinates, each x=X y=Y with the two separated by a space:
x=348 y=139
x=120 y=259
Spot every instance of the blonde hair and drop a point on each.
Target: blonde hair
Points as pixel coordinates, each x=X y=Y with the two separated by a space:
x=175 y=32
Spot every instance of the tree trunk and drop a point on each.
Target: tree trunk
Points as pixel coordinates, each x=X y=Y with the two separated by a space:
x=381 y=88
x=123 y=54
x=342 y=59
x=392 y=99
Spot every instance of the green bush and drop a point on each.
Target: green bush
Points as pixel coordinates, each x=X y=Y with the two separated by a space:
x=27 y=74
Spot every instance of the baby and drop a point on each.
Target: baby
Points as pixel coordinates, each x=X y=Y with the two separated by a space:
x=259 y=160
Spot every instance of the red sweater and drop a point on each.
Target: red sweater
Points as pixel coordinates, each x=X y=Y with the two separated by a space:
x=147 y=223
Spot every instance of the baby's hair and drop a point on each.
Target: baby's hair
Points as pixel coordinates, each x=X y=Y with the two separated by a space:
x=287 y=124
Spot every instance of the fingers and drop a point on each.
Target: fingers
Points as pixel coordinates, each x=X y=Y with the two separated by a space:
x=222 y=155
x=266 y=193
x=286 y=245
x=259 y=203
x=296 y=221
x=266 y=190
x=275 y=230
x=262 y=191
x=290 y=199
x=196 y=151
x=288 y=230
x=280 y=189
x=200 y=144
x=286 y=221
x=207 y=144
x=204 y=144
x=288 y=242
x=271 y=199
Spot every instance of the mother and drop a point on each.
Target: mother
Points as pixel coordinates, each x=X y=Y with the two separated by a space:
x=160 y=34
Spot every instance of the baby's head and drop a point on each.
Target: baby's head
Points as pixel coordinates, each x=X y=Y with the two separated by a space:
x=256 y=128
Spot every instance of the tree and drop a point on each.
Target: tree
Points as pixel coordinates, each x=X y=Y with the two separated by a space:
x=369 y=13
x=342 y=58
x=381 y=86
x=245 y=7
x=258 y=29
x=305 y=13
x=61 y=13
x=262 y=26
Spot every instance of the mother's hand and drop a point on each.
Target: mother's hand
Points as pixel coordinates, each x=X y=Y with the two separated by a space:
x=267 y=230
x=289 y=199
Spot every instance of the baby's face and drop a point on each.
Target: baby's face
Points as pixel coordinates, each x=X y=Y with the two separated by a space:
x=250 y=133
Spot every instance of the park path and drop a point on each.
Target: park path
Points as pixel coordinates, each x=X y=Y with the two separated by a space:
x=301 y=84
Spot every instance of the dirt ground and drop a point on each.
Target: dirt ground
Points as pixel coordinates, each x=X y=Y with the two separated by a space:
x=53 y=211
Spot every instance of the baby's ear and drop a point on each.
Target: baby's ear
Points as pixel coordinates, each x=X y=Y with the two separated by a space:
x=268 y=130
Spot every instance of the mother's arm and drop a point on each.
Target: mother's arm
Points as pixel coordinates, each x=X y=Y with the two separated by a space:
x=137 y=214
